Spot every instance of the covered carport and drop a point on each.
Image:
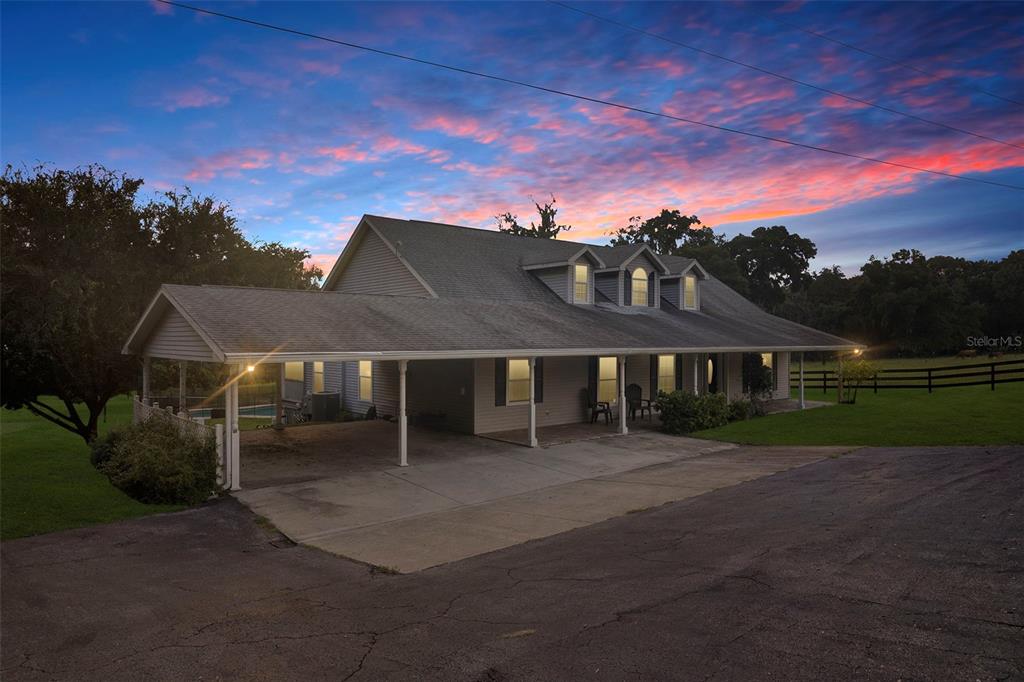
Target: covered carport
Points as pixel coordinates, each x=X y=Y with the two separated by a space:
x=247 y=328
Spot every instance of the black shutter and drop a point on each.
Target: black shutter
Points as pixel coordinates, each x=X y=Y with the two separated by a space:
x=679 y=371
x=538 y=380
x=627 y=287
x=775 y=372
x=500 y=381
x=592 y=378
x=654 y=377
x=650 y=289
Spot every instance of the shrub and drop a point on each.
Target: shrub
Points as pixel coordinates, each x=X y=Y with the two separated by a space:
x=682 y=412
x=740 y=410
x=155 y=463
x=102 y=448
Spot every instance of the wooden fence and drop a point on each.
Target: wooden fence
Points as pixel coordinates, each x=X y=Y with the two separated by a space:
x=931 y=378
x=197 y=428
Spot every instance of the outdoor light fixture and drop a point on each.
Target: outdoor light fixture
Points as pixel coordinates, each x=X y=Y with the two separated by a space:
x=856 y=351
x=251 y=368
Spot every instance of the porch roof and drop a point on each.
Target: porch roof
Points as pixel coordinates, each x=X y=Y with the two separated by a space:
x=241 y=324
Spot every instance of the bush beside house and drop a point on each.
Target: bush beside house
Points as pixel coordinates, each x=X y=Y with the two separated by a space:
x=154 y=462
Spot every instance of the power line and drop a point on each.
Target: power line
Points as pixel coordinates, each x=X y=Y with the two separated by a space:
x=876 y=55
x=784 y=77
x=583 y=98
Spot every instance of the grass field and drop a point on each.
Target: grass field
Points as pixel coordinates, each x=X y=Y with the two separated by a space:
x=47 y=482
x=914 y=363
x=971 y=415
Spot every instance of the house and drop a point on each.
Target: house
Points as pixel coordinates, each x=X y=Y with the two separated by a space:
x=480 y=330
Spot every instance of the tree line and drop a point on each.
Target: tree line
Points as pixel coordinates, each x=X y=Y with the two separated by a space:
x=82 y=257
x=906 y=304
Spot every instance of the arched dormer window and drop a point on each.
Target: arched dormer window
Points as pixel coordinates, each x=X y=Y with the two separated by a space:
x=639 y=289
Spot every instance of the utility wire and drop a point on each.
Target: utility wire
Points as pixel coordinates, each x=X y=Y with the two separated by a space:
x=876 y=55
x=584 y=98
x=774 y=74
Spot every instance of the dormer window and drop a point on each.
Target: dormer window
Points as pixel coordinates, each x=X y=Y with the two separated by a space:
x=639 y=288
x=690 y=292
x=581 y=283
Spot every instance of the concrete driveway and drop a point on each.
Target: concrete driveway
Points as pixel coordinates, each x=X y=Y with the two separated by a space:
x=453 y=507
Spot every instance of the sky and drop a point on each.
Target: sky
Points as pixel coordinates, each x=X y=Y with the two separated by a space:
x=301 y=137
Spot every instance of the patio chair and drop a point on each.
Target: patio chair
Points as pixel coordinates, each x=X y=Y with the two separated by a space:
x=595 y=408
x=296 y=412
x=635 y=401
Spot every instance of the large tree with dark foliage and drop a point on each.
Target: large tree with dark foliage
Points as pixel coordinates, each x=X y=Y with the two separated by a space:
x=664 y=233
x=774 y=262
x=548 y=228
x=81 y=260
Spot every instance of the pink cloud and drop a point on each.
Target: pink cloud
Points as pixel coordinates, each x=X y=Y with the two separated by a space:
x=192 y=97
x=229 y=163
x=458 y=125
x=161 y=8
x=349 y=152
x=321 y=68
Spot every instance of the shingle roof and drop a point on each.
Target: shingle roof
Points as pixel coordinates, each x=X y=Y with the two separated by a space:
x=254 y=323
x=463 y=262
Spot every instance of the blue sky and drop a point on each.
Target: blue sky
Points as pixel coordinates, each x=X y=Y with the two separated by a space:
x=301 y=137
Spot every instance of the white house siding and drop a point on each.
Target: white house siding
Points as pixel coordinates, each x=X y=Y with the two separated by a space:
x=638 y=371
x=608 y=284
x=556 y=279
x=175 y=338
x=442 y=386
x=375 y=269
x=334 y=377
x=564 y=379
x=733 y=363
x=781 y=376
x=385 y=388
x=670 y=289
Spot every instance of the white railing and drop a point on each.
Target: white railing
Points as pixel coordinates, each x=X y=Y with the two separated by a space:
x=141 y=411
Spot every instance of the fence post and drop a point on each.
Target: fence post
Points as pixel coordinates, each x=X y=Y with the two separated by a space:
x=929 y=379
x=876 y=382
x=824 y=381
x=992 y=375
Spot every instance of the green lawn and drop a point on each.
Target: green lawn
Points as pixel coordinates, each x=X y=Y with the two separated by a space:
x=47 y=482
x=972 y=415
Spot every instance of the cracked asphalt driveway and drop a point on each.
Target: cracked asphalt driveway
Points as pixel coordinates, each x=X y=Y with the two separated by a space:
x=881 y=563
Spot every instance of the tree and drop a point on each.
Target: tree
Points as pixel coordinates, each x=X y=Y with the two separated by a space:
x=711 y=250
x=664 y=233
x=81 y=260
x=774 y=261
x=547 y=229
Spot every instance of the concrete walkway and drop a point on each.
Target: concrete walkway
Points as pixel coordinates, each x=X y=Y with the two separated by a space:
x=409 y=519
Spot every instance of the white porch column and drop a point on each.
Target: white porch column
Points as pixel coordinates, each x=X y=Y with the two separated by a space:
x=623 y=428
x=231 y=431
x=403 y=419
x=147 y=363
x=532 y=418
x=802 y=404
x=182 y=369
x=279 y=398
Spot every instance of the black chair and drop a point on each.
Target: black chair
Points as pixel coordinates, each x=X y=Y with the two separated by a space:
x=635 y=401
x=595 y=408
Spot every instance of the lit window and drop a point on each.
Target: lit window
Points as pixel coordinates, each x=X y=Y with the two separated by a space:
x=607 y=382
x=690 y=292
x=666 y=373
x=581 y=283
x=518 y=383
x=766 y=360
x=365 y=380
x=293 y=371
x=318 y=377
x=639 y=287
